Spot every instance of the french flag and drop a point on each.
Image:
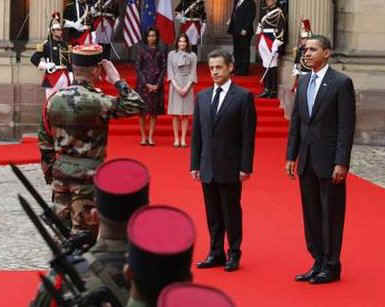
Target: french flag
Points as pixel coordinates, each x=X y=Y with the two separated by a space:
x=165 y=21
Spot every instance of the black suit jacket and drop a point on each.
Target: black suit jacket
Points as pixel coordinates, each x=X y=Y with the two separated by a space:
x=328 y=133
x=242 y=18
x=221 y=149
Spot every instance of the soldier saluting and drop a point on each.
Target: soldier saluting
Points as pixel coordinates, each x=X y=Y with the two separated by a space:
x=192 y=15
x=52 y=57
x=74 y=130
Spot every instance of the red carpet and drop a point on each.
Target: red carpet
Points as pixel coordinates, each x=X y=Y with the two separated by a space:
x=273 y=245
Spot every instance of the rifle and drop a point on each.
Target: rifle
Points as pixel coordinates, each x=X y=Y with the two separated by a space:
x=96 y=298
x=71 y=243
x=71 y=278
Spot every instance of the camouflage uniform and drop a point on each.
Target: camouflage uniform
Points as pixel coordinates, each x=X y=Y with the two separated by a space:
x=109 y=256
x=103 y=264
x=73 y=138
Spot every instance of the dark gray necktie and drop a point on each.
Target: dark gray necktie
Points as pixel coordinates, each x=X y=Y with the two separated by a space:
x=214 y=103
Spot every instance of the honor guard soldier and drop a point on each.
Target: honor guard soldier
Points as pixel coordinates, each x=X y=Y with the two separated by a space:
x=300 y=66
x=161 y=242
x=192 y=15
x=121 y=187
x=193 y=295
x=241 y=28
x=77 y=23
x=74 y=130
x=52 y=57
x=270 y=32
x=104 y=13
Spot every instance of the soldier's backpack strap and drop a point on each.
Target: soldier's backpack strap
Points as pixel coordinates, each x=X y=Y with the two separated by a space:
x=98 y=269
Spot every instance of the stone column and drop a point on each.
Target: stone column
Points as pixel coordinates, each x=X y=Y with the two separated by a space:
x=218 y=13
x=40 y=12
x=320 y=14
x=5 y=12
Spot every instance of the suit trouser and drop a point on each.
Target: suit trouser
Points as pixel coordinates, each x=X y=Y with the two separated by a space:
x=224 y=215
x=323 y=205
x=242 y=53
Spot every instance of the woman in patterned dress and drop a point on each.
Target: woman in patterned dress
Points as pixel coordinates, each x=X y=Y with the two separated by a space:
x=182 y=74
x=150 y=69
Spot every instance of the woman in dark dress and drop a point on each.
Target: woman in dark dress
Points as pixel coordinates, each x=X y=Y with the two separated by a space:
x=151 y=65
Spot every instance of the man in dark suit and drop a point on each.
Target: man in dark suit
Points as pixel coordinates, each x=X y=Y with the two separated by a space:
x=222 y=151
x=321 y=136
x=241 y=28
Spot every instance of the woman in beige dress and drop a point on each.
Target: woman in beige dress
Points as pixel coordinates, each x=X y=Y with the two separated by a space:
x=182 y=74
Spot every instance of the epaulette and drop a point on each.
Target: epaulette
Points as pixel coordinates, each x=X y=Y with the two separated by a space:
x=40 y=47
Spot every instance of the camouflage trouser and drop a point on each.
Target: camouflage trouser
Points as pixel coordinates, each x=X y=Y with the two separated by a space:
x=73 y=203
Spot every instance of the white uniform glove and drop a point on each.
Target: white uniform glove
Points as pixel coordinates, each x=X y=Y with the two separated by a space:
x=71 y=76
x=47 y=66
x=75 y=25
x=203 y=28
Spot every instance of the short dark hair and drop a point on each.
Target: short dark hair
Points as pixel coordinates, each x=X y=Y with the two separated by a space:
x=323 y=40
x=221 y=53
x=151 y=29
x=188 y=49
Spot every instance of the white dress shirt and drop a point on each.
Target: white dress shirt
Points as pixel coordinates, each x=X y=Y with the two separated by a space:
x=320 y=75
x=225 y=88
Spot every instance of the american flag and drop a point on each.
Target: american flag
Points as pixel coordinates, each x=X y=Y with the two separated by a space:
x=131 y=29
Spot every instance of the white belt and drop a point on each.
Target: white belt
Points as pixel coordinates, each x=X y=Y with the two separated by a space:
x=192 y=19
x=268 y=30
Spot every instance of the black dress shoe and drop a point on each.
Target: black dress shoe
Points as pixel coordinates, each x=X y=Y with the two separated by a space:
x=211 y=262
x=306 y=276
x=232 y=264
x=325 y=277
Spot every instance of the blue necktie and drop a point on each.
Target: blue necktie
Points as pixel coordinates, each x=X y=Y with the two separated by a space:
x=214 y=103
x=311 y=92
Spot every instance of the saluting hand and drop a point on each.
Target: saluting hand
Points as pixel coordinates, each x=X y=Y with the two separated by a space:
x=112 y=74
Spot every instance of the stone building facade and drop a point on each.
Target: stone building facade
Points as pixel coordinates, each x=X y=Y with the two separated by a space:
x=356 y=27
